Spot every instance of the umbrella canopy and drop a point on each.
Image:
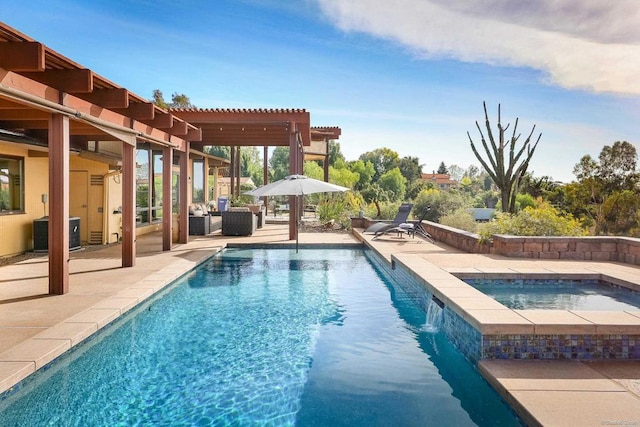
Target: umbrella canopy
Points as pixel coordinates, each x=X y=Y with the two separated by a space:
x=295 y=185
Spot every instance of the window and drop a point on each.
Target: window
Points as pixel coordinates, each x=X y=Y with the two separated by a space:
x=148 y=185
x=11 y=185
x=197 y=195
x=156 y=191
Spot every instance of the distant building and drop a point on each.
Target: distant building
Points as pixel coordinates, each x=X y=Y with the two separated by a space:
x=442 y=181
x=224 y=184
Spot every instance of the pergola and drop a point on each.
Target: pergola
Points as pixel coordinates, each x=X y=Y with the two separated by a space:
x=262 y=127
x=63 y=106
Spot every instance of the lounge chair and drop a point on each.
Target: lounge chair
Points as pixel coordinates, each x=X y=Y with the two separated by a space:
x=380 y=228
x=413 y=228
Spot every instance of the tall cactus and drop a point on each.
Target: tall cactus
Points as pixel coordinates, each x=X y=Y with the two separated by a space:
x=506 y=177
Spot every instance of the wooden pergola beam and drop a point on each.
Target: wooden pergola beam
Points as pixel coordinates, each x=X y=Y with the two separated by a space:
x=138 y=111
x=162 y=121
x=22 y=56
x=194 y=135
x=66 y=80
x=178 y=128
x=109 y=98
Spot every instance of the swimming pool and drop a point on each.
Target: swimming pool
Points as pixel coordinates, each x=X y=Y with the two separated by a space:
x=558 y=294
x=265 y=337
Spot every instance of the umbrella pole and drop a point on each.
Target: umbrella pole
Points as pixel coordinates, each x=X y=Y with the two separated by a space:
x=297 y=223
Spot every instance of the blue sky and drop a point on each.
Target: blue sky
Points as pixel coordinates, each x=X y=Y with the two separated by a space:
x=410 y=75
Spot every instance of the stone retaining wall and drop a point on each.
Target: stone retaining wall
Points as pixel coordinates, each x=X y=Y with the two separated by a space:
x=593 y=248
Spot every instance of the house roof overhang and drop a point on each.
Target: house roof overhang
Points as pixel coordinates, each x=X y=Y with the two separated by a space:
x=36 y=81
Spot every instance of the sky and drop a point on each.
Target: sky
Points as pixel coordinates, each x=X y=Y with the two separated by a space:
x=409 y=75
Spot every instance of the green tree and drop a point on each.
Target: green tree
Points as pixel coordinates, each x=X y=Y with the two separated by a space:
x=394 y=183
x=375 y=194
x=618 y=166
x=382 y=159
x=279 y=163
x=410 y=168
x=621 y=213
x=416 y=187
x=441 y=203
x=506 y=175
x=343 y=176
x=223 y=152
x=313 y=170
x=178 y=100
x=442 y=169
x=365 y=173
x=251 y=164
x=336 y=158
x=614 y=173
x=158 y=99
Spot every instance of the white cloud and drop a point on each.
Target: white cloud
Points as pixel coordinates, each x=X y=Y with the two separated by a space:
x=580 y=44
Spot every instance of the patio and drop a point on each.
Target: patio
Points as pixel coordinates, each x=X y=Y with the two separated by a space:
x=36 y=327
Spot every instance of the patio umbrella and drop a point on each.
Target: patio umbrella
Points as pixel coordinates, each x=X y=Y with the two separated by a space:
x=295 y=185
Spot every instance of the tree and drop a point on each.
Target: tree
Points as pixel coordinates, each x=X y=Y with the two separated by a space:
x=177 y=100
x=505 y=176
x=251 y=164
x=410 y=168
x=279 y=163
x=365 y=172
x=442 y=169
x=382 y=159
x=336 y=158
x=375 y=194
x=440 y=202
x=158 y=99
x=223 y=152
x=455 y=172
x=617 y=167
x=606 y=191
x=343 y=176
x=394 y=183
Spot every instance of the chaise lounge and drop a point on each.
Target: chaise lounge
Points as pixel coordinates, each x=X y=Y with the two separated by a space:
x=382 y=227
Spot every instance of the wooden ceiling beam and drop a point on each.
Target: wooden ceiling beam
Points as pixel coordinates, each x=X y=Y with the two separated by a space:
x=22 y=56
x=66 y=80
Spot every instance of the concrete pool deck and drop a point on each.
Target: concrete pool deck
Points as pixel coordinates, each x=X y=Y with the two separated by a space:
x=35 y=328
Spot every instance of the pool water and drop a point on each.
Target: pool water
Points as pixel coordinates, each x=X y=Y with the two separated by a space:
x=265 y=337
x=558 y=294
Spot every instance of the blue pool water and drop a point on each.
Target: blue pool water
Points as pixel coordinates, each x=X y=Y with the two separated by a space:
x=265 y=337
x=558 y=294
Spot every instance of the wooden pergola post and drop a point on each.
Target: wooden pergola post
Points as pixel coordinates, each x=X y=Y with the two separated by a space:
x=167 y=198
x=265 y=173
x=232 y=171
x=58 y=235
x=185 y=196
x=128 y=205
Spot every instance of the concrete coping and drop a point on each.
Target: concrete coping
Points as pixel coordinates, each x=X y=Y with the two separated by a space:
x=490 y=317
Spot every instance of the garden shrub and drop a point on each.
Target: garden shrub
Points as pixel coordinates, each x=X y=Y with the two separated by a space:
x=541 y=220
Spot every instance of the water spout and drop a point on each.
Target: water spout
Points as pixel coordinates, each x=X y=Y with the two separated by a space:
x=435 y=315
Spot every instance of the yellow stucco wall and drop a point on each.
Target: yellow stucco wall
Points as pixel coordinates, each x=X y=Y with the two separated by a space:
x=17 y=228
